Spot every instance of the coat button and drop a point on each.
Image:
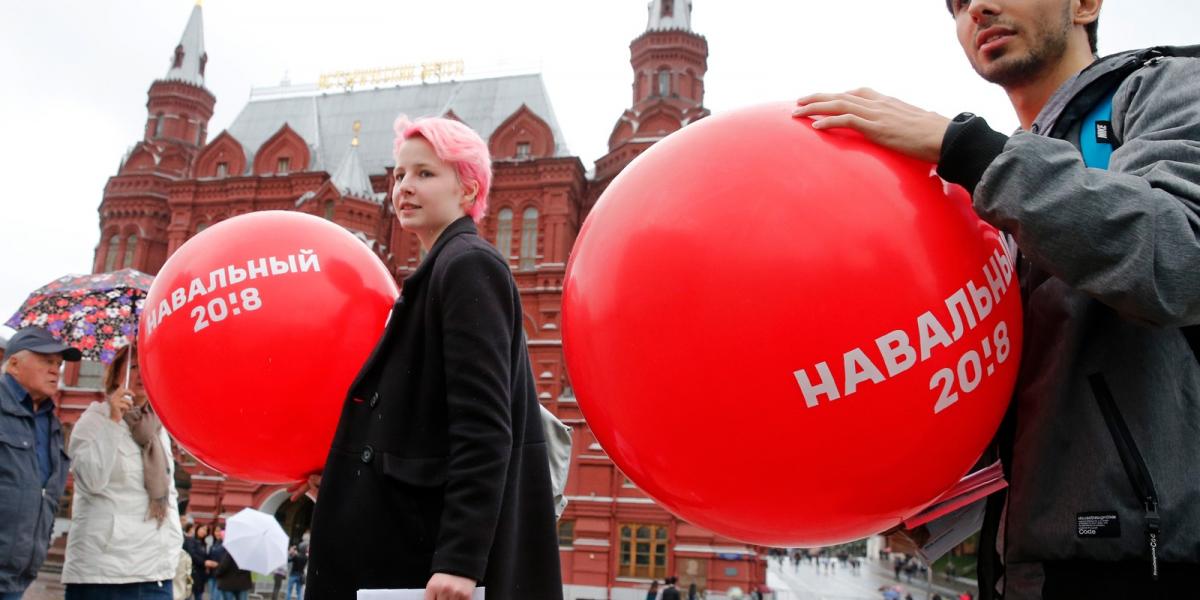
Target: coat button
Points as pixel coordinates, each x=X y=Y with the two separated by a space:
x=368 y=453
x=374 y=400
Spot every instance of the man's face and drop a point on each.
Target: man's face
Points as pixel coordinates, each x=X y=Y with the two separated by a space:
x=1012 y=42
x=37 y=373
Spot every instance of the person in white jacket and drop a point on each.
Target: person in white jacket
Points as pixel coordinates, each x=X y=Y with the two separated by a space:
x=125 y=536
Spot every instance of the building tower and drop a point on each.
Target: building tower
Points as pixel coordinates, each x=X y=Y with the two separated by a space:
x=669 y=62
x=133 y=213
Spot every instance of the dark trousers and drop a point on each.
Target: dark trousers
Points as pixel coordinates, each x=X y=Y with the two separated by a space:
x=146 y=590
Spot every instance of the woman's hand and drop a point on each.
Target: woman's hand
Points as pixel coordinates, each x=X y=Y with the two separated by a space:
x=444 y=586
x=119 y=403
x=308 y=487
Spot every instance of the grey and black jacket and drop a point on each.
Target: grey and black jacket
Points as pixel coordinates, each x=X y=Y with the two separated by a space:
x=27 y=507
x=1110 y=277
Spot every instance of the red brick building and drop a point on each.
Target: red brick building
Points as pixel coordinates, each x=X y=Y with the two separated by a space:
x=328 y=153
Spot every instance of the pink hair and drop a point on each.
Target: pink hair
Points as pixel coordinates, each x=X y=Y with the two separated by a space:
x=457 y=145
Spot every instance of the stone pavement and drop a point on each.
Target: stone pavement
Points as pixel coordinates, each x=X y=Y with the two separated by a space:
x=46 y=587
x=810 y=582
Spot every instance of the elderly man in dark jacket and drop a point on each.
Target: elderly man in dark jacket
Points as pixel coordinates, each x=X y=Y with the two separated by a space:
x=33 y=465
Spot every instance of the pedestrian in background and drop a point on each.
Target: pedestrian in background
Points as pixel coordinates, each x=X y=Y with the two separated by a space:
x=33 y=466
x=125 y=535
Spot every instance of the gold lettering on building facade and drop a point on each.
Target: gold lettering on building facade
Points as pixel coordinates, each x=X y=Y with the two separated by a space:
x=349 y=80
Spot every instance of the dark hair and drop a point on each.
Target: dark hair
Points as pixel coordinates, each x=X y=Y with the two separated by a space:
x=114 y=377
x=1091 y=28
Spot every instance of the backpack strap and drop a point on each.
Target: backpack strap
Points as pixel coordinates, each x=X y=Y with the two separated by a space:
x=1097 y=140
x=1096 y=137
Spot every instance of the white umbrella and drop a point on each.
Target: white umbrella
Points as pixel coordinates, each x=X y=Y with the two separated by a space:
x=256 y=541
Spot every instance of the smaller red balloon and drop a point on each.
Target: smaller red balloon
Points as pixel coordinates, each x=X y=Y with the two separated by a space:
x=251 y=336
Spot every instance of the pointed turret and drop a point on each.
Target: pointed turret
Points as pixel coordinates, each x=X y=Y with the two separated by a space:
x=351 y=178
x=669 y=62
x=135 y=224
x=180 y=106
x=189 y=59
x=669 y=14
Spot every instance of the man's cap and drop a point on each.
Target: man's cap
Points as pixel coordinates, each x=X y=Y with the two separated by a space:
x=36 y=339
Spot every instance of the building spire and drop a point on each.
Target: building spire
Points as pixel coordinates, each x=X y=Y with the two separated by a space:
x=351 y=178
x=669 y=14
x=188 y=60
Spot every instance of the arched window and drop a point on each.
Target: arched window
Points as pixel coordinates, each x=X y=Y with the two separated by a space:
x=529 y=235
x=664 y=83
x=329 y=210
x=202 y=226
x=504 y=232
x=130 y=247
x=114 y=248
x=158 y=125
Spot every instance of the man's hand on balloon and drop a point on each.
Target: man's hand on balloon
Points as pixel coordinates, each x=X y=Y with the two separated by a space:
x=308 y=487
x=443 y=586
x=884 y=120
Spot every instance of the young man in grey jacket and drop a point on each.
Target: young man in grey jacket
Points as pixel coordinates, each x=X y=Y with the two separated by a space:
x=1101 y=443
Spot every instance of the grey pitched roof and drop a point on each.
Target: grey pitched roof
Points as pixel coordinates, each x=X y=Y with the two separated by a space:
x=351 y=179
x=326 y=120
x=192 y=42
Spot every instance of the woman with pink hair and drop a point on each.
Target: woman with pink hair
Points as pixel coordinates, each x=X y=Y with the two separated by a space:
x=438 y=476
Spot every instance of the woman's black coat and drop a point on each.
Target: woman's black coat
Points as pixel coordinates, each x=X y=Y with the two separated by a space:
x=439 y=462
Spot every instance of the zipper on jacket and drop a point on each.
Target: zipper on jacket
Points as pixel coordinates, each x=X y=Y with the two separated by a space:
x=1135 y=465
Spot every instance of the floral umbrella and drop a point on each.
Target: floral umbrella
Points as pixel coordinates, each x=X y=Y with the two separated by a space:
x=95 y=313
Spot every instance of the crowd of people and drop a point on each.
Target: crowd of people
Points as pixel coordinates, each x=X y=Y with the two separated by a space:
x=670 y=591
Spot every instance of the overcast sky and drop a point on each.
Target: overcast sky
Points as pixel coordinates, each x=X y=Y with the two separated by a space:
x=75 y=75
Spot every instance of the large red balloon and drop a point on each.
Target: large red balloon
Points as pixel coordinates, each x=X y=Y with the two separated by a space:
x=790 y=337
x=251 y=335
